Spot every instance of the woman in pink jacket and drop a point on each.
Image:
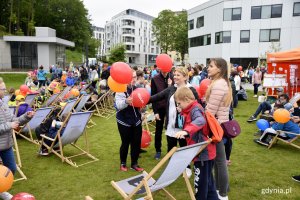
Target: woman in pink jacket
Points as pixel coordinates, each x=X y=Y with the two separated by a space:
x=256 y=80
x=218 y=100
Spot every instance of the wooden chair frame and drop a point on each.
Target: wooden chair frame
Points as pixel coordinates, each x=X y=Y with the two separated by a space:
x=289 y=142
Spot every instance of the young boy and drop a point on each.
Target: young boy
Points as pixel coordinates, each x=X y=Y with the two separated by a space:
x=194 y=122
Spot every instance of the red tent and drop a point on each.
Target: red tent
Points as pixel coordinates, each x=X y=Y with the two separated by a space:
x=286 y=62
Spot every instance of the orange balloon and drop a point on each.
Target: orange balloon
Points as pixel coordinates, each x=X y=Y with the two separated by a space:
x=282 y=116
x=17 y=92
x=6 y=178
x=75 y=92
x=115 y=86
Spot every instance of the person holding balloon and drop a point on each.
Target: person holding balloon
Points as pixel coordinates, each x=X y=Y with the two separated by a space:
x=283 y=122
x=8 y=122
x=174 y=121
x=218 y=100
x=129 y=125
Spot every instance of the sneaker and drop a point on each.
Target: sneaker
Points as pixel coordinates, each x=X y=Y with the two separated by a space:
x=258 y=141
x=251 y=119
x=296 y=178
x=255 y=96
x=137 y=168
x=188 y=172
x=157 y=155
x=123 y=168
x=6 y=196
x=222 y=198
x=43 y=152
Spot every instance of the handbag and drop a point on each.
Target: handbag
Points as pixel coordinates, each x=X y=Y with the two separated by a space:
x=231 y=128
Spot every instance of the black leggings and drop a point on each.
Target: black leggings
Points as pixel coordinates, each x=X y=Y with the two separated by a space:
x=172 y=142
x=130 y=136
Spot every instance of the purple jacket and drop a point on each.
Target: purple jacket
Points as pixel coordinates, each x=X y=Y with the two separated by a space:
x=23 y=108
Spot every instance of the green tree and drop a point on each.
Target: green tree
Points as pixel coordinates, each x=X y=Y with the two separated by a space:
x=117 y=54
x=181 y=34
x=164 y=29
x=93 y=47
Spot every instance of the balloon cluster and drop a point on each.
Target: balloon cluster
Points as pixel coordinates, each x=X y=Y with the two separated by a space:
x=120 y=77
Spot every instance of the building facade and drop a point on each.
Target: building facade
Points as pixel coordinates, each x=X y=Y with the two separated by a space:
x=98 y=33
x=133 y=29
x=242 y=31
x=29 y=52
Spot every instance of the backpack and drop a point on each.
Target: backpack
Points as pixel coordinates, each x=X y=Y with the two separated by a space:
x=212 y=128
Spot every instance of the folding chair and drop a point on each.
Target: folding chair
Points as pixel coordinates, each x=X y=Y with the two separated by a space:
x=84 y=87
x=6 y=99
x=100 y=107
x=29 y=99
x=40 y=115
x=18 y=162
x=291 y=142
x=69 y=133
x=64 y=92
x=52 y=99
x=179 y=159
x=80 y=107
x=69 y=107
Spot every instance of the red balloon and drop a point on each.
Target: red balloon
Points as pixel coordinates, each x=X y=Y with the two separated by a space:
x=140 y=97
x=164 y=62
x=203 y=87
x=23 y=196
x=121 y=73
x=146 y=139
x=24 y=89
x=240 y=68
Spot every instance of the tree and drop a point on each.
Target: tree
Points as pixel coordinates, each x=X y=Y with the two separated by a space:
x=117 y=54
x=93 y=47
x=164 y=30
x=181 y=34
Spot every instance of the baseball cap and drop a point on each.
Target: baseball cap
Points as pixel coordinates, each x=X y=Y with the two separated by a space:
x=279 y=89
x=288 y=106
x=20 y=97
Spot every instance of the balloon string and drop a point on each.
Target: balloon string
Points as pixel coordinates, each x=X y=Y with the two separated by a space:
x=132 y=101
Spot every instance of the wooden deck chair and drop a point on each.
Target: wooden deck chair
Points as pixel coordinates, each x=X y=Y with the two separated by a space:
x=29 y=99
x=150 y=121
x=80 y=107
x=99 y=107
x=64 y=92
x=26 y=131
x=52 y=99
x=69 y=107
x=291 y=142
x=179 y=159
x=6 y=99
x=84 y=88
x=18 y=160
x=72 y=129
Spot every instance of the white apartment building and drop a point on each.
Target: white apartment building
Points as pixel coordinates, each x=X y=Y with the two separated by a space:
x=133 y=29
x=98 y=33
x=241 y=31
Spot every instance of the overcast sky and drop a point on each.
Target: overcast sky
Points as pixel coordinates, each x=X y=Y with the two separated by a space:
x=101 y=11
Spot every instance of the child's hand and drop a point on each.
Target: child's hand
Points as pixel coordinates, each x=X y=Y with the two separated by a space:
x=181 y=134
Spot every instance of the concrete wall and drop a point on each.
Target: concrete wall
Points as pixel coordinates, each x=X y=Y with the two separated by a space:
x=5 y=56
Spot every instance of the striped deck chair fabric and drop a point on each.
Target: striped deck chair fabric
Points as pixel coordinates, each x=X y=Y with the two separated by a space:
x=29 y=99
x=179 y=159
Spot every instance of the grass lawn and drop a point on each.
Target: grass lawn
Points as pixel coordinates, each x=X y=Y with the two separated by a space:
x=253 y=171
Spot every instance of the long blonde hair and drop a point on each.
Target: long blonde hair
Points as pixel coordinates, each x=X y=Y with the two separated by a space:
x=222 y=65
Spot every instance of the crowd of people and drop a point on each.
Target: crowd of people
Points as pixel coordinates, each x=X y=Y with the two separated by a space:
x=173 y=96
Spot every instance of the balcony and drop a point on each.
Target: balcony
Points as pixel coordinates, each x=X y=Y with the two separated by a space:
x=128 y=22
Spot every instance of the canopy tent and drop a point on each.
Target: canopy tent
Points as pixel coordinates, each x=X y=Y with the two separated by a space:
x=292 y=55
x=288 y=63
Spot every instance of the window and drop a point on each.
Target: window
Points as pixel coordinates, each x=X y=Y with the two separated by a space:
x=230 y=14
x=296 y=11
x=245 y=36
x=200 y=22
x=202 y=40
x=265 y=12
x=223 y=37
x=269 y=35
x=191 y=24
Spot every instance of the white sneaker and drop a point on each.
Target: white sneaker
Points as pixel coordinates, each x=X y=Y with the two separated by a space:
x=222 y=198
x=188 y=172
x=255 y=96
x=6 y=196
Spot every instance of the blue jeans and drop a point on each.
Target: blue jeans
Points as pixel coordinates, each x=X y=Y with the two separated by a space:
x=8 y=159
x=263 y=107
